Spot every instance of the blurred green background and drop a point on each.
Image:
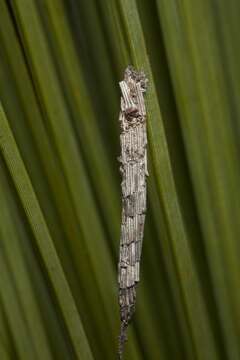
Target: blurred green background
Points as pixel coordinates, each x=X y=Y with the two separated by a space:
x=60 y=64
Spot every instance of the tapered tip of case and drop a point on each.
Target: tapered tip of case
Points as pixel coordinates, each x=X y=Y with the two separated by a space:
x=122 y=340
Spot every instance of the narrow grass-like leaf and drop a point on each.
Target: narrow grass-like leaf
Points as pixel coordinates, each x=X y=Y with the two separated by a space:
x=66 y=144
x=82 y=110
x=43 y=240
x=7 y=343
x=11 y=246
x=12 y=308
x=201 y=330
x=209 y=139
x=52 y=172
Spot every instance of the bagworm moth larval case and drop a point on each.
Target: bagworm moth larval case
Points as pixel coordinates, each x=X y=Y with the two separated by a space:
x=133 y=168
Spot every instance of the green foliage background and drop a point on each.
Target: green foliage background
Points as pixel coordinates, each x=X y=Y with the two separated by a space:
x=60 y=63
